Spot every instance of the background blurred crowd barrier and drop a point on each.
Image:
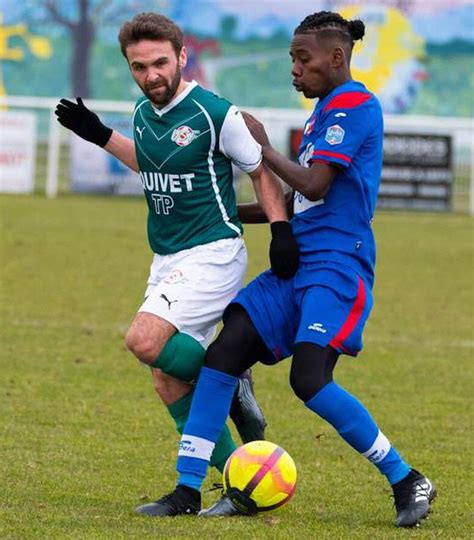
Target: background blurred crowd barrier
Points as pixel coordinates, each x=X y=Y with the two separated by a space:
x=428 y=161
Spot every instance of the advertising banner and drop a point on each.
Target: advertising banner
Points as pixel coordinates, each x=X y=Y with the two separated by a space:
x=93 y=170
x=17 y=151
x=417 y=172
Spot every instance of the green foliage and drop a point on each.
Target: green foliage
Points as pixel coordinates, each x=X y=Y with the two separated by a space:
x=265 y=83
x=449 y=88
x=84 y=439
x=115 y=81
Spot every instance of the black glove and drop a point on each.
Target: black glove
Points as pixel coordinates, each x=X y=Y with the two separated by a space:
x=78 y=118
x=284 y=251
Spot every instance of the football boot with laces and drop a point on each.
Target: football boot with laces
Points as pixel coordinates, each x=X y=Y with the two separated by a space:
x=182 y=501
x=413 y=497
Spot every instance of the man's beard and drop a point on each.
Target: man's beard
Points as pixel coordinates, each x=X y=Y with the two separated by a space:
x=168 y=93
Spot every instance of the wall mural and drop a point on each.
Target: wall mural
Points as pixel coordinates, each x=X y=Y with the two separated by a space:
x=417 y=56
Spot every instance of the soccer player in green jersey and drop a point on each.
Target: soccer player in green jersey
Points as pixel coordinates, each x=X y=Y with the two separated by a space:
x=185 y=141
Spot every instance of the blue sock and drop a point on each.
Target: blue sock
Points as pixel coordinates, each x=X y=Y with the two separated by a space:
x=209 y=411
x=355 y=425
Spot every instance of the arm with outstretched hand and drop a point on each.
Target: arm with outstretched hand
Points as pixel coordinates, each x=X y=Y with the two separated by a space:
x=87 y=125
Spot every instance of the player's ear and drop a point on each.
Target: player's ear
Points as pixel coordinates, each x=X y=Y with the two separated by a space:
x=338 y=57
x=183 y=57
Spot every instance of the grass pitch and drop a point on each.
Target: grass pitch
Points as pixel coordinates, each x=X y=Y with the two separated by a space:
x=84 y=439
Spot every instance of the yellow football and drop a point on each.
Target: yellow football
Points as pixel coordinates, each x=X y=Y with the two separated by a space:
x=262 y=471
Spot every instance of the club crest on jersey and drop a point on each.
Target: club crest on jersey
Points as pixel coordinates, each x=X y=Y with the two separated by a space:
x=334 y=135
x=183 y=135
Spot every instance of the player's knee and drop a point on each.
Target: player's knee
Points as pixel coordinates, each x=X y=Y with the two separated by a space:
x=311 y=369
x=302 y=388
x=219 y=353
x=228 y=353
x=182 y=357
x=144 y=348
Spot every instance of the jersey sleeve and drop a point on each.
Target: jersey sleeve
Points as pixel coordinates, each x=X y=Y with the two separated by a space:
x=236 y=142
x=343 y=127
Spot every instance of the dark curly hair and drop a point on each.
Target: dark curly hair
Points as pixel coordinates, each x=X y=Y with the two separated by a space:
x=331 y=23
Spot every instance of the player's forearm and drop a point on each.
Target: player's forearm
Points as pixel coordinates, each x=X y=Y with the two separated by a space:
x=251 y=213
x=299 y=178
x=269 y=194
x=123 y=149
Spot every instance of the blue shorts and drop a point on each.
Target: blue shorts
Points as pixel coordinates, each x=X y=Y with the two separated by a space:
x=331 y=309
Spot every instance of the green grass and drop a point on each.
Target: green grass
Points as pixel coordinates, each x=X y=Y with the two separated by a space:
x=84 y=439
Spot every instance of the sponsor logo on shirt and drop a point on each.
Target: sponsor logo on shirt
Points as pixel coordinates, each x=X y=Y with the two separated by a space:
x=160 y=184
x=334 y=134
x=183 y=135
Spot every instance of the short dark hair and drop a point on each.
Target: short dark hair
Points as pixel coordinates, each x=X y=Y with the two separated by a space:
x=330 y=23
x=152 y=26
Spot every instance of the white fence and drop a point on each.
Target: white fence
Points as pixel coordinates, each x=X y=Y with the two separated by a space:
x=52 y=156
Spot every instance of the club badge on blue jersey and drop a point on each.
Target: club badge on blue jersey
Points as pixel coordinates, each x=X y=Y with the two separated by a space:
x=334 y=134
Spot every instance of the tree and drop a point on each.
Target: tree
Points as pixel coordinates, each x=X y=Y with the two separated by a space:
x=229 y=25
x=81 y=19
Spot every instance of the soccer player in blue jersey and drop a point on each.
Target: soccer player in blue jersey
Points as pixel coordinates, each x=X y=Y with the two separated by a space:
x=321 y=312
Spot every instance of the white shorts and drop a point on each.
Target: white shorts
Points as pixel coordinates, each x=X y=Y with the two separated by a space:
x=191 y=289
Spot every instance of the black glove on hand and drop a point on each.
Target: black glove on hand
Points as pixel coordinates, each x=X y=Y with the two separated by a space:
x=284 y=251
x=78 y=118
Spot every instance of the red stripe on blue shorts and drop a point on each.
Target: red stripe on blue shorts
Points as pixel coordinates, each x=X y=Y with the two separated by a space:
x=352 y=319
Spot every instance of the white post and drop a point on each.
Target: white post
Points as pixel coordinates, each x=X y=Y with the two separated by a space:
x=53 y=156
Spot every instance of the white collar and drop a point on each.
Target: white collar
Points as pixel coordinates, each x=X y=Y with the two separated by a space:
x=176 y=101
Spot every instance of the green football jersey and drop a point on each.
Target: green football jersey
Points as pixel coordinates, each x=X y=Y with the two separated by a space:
x=186 y=179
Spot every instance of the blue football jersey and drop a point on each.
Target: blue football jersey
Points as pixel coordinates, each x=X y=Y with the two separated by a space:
x=346 y=130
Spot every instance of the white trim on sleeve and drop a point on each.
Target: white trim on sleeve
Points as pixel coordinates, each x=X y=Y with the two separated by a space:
x=236 y=142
